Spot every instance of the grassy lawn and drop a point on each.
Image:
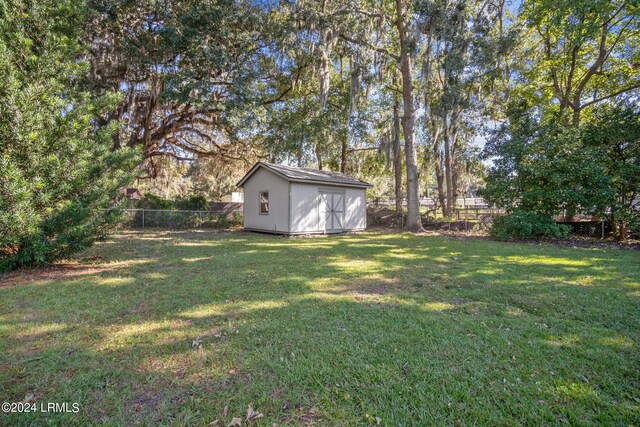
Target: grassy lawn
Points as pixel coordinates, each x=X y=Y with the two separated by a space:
x=394 y=329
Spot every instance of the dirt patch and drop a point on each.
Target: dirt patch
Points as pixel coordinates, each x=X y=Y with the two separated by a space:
x=149 y=401
x=58 y=271
x=384 y=217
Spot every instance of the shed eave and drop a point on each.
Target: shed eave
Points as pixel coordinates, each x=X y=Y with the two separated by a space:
x=364 y=185
x=255 y=167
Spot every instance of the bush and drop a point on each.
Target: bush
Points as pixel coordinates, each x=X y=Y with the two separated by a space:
x=58 y=175
x=187 y=203
x=151 y=201
x=524 y=225
x=237 y=219
x=192 y=203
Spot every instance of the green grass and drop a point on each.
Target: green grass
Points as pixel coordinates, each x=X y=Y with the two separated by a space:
x=411 y=330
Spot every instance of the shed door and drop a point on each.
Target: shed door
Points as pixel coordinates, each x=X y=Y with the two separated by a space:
x=331 y=212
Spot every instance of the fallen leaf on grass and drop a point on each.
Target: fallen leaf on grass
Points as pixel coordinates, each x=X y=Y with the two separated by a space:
x=29 y=397
x=196 y=343
x=235 y=421
x=225 y=411
x=253 y=415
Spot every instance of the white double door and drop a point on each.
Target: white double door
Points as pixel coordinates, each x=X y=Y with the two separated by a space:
x=331 y=211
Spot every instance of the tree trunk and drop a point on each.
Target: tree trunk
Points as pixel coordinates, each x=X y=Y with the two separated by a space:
x=621 y=235
x=455 y=146
x=414 y=221
x=619 y=225
x=438 y=166
x=299 y=151
x=319 y=157
x=447 y=165
x=442 y=199
x=575 y=118
x=344 y=148
x=397 y=159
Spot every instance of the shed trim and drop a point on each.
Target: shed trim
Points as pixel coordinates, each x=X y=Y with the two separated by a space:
x=289 y=210
x=328 y=178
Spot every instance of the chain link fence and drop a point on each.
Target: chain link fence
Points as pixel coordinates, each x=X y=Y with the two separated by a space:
x=464 y=219
x=472 y=220
x=481 y=219
x=475 y=220
x=588 y=229
x=179 y=219
x=474 y=216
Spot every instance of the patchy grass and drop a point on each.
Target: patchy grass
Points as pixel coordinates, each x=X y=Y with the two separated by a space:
x=396 y=329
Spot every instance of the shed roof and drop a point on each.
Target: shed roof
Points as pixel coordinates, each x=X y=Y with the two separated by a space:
x=315 y=176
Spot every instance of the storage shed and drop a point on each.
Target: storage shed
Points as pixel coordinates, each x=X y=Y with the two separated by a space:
x=286 y=200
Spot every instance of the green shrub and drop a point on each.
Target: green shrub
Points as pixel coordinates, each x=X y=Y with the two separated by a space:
x=237 y=219
x=222 y=221
x=58 y=175
x=524 y=225
x=186 y=203
x=192 y=203
x=151 y=201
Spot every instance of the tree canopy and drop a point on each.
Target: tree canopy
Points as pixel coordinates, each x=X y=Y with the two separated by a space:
x=535 y=101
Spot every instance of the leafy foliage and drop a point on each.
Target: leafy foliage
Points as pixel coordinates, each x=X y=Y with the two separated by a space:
x=570 y=145
x=521 y=224
x=190 y=72
x=205 y=88
x=194 y=202
x=152 y=201
x=58 y=174
x=615 y=132
x=583 y=52
x=544 y=168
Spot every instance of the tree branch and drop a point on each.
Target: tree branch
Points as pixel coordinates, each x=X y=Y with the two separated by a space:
x=361 y=12
x=612 y=95
x=370 y=46
x=288 y=89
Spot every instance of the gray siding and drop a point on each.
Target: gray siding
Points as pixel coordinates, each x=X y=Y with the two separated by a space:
x=278 y=217
x=355 y=212
x=305 y=206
